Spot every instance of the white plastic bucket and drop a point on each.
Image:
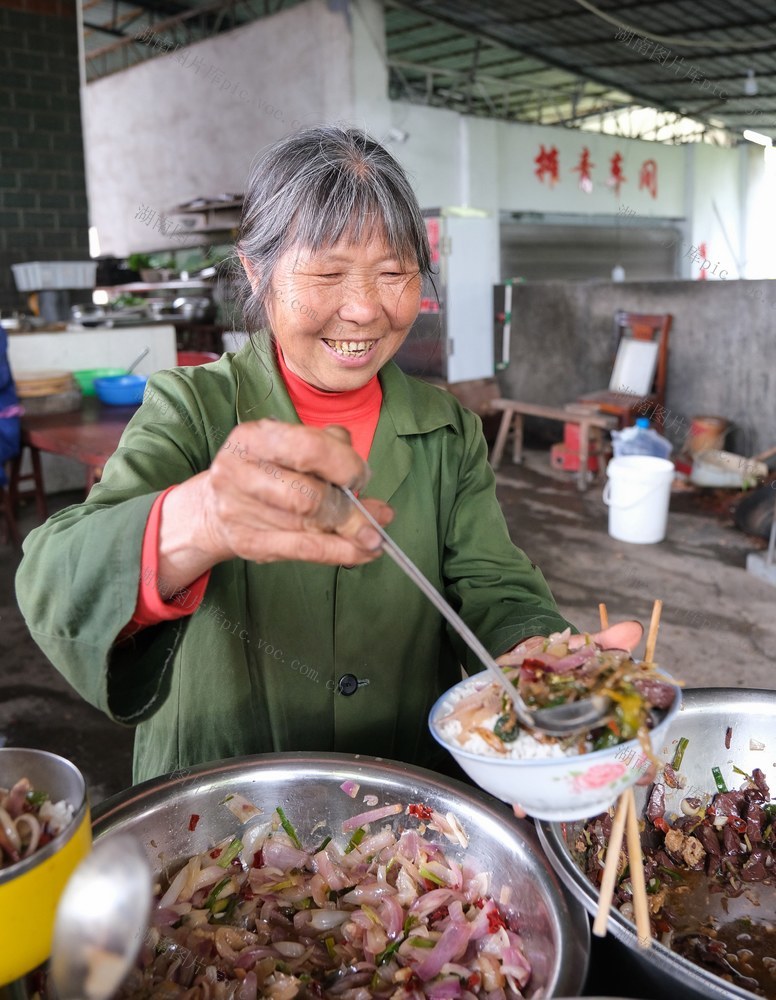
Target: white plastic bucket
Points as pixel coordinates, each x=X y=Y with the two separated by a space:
x=637 y=494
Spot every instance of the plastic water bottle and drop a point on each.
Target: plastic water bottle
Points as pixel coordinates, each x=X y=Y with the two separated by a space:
x=640 y=440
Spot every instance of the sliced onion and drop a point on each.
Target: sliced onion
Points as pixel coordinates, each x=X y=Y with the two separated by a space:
x=278 y=854
x=248 y=989
x=448 y=948
x=325 y=920
x=444 y=989
x=430 y=901
x=350 y=788
x=392 y=916
x=173 y=891
x=208 y=876
x=371 y=816
x=290 y=949
x=32 y=824
x=240 y=807
x=367 y=892
x=9 y=829
x=335 y=877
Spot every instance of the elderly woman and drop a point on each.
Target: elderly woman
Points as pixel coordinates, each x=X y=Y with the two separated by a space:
x=195 y=596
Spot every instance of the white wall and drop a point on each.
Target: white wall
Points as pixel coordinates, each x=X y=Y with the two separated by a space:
x=189 y=123
x=760 y=220
x=715 y=212
x=169 y=130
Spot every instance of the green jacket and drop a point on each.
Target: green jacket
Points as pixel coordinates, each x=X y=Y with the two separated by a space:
x=256 y=668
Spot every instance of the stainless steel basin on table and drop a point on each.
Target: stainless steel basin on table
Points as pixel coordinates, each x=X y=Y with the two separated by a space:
x=554 y=927
x=704 y=719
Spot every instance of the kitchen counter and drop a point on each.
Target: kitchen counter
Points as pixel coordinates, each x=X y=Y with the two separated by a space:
x=77 y=347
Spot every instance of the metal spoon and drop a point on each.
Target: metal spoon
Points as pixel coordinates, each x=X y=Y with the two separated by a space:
x=101 y=920
x=137 y=360
x=563 y=720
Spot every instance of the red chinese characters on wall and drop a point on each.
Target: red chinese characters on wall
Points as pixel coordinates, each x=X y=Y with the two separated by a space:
x=547 y=163
x=585 y=170
x=547 y=169
x=648 y=177
x=616 y=176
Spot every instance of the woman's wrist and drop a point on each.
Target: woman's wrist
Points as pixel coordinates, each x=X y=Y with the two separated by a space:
x=187 y=548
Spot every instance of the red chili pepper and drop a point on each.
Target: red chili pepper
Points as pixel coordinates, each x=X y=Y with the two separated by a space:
x=428 y=885
x=495 y=921
x=420 y=811
x=413 y=982
x=439 y=914
x=193 y=820
x=216 y=852
x=473 y=981
x=661 y=824
x=738 y=824
x=258 y=859
x=479 y=903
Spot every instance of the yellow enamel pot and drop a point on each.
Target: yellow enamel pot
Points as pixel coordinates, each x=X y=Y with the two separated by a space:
x=30 y=889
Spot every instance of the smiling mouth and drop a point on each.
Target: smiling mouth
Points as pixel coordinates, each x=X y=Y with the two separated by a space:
x=351 y=348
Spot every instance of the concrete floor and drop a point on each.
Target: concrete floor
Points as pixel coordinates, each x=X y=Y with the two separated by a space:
x=718 y=624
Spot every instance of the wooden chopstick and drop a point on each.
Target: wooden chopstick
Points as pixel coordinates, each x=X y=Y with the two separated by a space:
x=636 y=862
x=610 y=869
x=654 y=625
x=626 y=816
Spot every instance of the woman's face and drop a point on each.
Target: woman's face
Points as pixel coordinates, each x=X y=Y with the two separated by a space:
x=341 y=313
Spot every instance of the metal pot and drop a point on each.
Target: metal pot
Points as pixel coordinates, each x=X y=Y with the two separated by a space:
x=159 y=812
x=704 y=719
x=196 y=308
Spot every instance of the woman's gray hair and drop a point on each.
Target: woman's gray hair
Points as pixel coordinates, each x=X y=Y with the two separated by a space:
x=312 y=188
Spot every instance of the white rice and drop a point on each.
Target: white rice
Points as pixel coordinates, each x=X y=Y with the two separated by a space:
x=525 y=747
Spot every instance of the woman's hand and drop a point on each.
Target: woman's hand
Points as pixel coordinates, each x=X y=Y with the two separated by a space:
x=267 y=497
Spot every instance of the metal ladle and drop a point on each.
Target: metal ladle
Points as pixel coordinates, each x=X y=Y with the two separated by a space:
x=563 y=720
x=137 y=360
x=101 y=920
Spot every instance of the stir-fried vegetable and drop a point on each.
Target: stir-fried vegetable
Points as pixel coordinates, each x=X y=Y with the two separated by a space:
x=28 y=821
x=288 y=827
x=700 y=865
x=388 y=914
x=564 y=669
x=719 y=781
x=681 y=746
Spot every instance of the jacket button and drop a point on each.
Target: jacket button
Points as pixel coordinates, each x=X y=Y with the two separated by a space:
x=348 y=684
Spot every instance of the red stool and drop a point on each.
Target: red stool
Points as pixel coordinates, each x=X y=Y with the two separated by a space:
x=196 y=358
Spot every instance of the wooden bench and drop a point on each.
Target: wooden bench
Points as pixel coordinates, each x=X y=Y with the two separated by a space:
x=590 y=422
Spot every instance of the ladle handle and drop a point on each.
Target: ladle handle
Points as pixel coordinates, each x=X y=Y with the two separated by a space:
x=137 y=360
x=404 y=562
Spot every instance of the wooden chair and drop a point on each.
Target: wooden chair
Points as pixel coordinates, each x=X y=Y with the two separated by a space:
x=634 y=331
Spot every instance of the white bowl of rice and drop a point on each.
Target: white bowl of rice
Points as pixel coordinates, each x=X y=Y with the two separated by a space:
x=551 y=779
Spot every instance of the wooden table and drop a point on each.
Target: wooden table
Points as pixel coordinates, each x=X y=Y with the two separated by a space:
x=89 y=435
x=588 y=419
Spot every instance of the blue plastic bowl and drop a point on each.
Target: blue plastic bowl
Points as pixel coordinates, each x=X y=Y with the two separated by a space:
x=121 y=390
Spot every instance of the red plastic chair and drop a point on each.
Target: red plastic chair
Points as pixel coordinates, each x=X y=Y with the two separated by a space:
x=196 y=357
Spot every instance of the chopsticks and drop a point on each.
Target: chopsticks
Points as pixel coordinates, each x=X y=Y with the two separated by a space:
x=626 y=820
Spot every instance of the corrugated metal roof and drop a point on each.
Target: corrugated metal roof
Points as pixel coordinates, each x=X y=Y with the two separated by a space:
x=570 y=62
